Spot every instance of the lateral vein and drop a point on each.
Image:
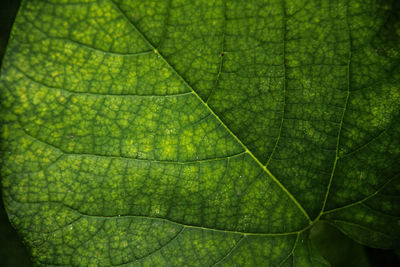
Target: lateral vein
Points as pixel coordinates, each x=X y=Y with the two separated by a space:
x=340 y=124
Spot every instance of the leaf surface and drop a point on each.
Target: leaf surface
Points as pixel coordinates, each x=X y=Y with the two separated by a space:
x=171 y=133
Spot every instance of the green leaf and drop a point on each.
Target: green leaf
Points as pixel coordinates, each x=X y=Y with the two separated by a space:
x=198 y=133
x=337 y=248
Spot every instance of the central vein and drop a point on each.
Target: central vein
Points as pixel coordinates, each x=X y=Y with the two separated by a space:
x=263 y=167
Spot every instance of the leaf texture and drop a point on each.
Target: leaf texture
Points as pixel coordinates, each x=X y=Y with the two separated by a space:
x=200 y=133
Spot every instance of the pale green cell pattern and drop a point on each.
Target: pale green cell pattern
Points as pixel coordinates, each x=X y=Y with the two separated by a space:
x=200 y=133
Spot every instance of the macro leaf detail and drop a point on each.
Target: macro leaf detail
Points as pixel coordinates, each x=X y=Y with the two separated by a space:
x=200 y=133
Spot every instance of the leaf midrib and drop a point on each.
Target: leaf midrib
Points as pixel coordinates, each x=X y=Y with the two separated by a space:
x=247 y=150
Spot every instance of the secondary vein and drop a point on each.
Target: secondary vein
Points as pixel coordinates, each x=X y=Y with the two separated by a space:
x=284 y=84
x=118 y=217
x=341 y=121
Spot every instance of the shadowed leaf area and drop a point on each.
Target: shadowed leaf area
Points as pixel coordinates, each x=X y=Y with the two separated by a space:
x=202 y=133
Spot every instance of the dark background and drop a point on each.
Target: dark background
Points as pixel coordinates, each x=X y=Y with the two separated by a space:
x=12 y=251
x=340 y=250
